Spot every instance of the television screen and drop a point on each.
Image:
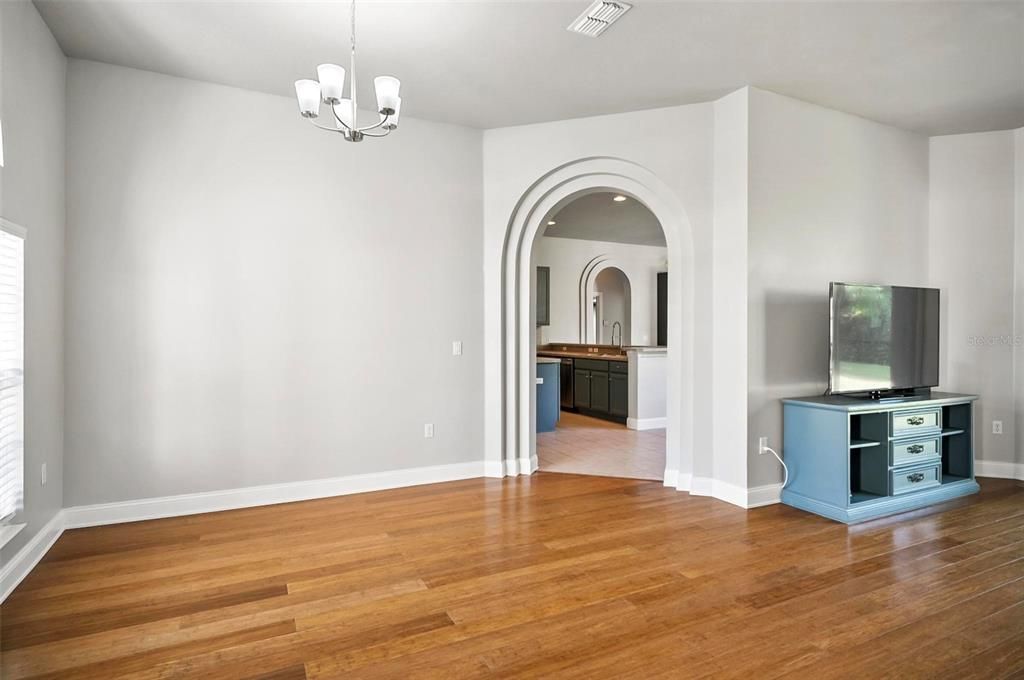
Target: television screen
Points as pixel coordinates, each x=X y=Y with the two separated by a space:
x=883 y=338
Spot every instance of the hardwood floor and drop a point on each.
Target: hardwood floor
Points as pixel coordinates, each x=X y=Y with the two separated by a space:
x=591 y=446
x=552 y=575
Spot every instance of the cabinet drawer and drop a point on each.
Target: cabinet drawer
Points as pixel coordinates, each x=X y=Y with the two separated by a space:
x=591 y=364
x=618 y=366
x=905 y=481
x=905 y=453
x=907 y=423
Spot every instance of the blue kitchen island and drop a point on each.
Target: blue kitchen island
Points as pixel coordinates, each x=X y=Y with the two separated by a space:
x=548 y=393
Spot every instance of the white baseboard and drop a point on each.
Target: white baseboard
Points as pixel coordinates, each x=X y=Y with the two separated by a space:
x=25 y=560
x=701 y=486
x=994 y=468
x=672 y=478
x=646 y=423
x=753 y=497
x=494 y=468
x=247 y=497
x=769 y=494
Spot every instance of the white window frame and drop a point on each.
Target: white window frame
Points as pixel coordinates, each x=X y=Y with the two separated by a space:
x=7 y=526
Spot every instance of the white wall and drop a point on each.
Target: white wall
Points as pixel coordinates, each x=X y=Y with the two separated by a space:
x=832 y=197
x=32 y=195
x=972 y=260
x=728 y=394
x=1018 y=257
x=252 y=300
x=567 y=259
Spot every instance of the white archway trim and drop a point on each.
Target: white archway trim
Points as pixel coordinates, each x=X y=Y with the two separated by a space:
x=588 y=288
x=518 y=337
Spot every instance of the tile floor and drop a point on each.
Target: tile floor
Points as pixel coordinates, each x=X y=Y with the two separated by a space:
x=590 y=446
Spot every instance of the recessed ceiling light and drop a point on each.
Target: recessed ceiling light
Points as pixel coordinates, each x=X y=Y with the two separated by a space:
x=619 y=199
x=551 y=223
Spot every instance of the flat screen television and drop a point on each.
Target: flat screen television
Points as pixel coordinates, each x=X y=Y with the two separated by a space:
x=883 y=339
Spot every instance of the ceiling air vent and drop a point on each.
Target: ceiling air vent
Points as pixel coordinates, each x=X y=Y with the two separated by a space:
x=598 y=17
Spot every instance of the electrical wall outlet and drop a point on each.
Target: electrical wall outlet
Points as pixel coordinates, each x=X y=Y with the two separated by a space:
x=997 y=427
x=42 y=474
x=428 y=430
x=456 y=348
x=762 y=445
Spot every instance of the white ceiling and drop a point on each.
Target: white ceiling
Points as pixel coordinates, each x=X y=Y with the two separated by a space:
x=928 y=66
x=596 y=217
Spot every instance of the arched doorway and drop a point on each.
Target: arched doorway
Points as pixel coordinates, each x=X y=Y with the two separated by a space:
x=607 y=296
x=610 y=306
x=518 y=337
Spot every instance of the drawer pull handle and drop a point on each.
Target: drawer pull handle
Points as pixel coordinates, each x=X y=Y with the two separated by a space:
x=915 y=420
x=916 y=477
x=916 y=448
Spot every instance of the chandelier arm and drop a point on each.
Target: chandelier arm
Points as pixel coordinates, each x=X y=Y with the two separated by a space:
x=370 y=134
x=324 y=127
x=379 y=124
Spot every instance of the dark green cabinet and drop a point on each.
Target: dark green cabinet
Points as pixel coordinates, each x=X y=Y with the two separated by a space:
x=581 y=389
x=601 y=388
x=662 y=339
x=543 y=296
x=618 y=394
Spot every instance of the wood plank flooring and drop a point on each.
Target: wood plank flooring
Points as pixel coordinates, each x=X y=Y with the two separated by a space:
x=547 y=576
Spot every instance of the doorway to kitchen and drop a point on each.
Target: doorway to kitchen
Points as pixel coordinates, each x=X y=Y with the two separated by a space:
x=600 y=298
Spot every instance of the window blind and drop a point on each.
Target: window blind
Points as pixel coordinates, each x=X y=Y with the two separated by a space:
x=12 y=370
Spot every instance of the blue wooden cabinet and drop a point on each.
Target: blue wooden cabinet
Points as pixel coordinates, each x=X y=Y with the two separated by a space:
x=549 y=393
x=853 y=459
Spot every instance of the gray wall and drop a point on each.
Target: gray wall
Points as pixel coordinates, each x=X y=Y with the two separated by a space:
x=254 y=301
x=972 y=260
x=832 y=197
x=1018 y=312
x=32 y=195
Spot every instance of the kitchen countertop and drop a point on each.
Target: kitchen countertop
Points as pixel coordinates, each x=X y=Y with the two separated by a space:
x=581 y=355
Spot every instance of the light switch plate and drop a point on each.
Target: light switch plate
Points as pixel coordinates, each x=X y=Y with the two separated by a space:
x=42 y=474
x=428 y=430
x=997 y=427
x=457 y=348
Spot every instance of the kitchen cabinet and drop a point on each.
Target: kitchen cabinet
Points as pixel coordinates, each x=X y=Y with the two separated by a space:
x=601 y=388
x=581 y=388
x=618 y=394
x=662 y=335
x=543 y=296
x=548 y=392
x=599 y=391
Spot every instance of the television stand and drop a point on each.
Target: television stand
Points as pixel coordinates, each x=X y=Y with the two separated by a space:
x=854 y=459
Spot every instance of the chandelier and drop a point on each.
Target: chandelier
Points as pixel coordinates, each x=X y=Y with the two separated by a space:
x=329 y=89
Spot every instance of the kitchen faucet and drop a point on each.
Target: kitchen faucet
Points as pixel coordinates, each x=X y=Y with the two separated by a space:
x=619 y=326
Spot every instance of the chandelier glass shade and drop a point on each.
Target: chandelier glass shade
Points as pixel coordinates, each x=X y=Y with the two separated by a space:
x=329 y=89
